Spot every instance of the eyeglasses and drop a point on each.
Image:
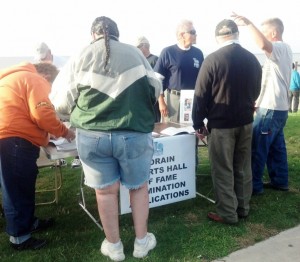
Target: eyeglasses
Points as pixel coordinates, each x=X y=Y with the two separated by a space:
x=192 y=32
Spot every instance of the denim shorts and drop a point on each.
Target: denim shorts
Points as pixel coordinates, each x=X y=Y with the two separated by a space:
x=108 y=157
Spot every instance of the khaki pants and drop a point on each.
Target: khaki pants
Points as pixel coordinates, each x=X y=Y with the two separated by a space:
x=173 y=104
x=230 y=158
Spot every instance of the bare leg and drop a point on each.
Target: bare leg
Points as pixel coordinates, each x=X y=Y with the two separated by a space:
x=107 y=200
x=139 y=200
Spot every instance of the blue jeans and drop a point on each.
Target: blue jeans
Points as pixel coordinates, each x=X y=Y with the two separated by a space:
x=268 y=148
x=108 y=157
x=18 y=173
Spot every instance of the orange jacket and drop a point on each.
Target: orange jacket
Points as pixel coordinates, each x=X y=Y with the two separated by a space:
x=25 y=109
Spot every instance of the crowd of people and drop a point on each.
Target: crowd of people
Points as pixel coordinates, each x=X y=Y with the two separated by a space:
x=113 y=93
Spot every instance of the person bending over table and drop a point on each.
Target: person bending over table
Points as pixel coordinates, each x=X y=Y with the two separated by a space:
x=27 y=118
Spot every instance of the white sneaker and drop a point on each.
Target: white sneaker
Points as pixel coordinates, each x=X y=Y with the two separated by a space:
x=114 y=253
x=61 y=162
x=75 y=163
x=141 y=251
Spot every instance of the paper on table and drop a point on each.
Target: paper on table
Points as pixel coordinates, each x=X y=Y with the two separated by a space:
x=172 y=131
x=154 y=134
x=63 y=144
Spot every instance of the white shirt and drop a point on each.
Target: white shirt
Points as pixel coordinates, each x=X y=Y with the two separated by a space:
x=276 y=78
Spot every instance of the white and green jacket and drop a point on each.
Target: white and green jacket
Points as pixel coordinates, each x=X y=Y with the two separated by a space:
x=120 y=99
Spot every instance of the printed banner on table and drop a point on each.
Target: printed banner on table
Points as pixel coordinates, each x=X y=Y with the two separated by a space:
x=172 y=174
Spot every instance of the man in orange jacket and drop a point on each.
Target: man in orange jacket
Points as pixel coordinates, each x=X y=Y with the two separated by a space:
x=27 y=118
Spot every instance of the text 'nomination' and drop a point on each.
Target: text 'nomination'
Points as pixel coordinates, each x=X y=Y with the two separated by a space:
x=157 y=189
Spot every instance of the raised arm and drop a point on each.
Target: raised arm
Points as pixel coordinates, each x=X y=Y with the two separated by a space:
x=262 y=39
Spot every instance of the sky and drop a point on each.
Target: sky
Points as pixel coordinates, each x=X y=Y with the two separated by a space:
x=65 y=24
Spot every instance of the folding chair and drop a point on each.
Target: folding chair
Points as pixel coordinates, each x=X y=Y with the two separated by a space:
x=44 y=162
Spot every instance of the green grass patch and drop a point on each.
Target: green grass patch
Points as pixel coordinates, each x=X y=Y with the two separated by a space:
x=182 y=229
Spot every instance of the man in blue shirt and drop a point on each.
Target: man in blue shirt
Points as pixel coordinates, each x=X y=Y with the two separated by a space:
x=178 y=66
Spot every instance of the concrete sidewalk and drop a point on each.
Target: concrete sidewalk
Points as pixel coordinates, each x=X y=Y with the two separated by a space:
x=284 y=247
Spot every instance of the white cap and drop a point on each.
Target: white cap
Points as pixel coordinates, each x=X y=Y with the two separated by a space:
x=141 y=40
x=41 y=51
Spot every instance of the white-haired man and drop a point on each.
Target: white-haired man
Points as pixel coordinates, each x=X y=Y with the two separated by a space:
x=43 y=53
x=143 y=44
x=178 y=66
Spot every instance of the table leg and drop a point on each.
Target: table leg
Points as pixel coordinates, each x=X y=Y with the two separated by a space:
x=82 y=202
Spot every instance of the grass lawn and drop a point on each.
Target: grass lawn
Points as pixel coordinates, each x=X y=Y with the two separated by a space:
x=182 y=229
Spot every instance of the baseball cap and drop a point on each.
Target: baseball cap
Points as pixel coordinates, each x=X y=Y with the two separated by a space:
x=41 y=51
x=141 y=40
x=226 y=27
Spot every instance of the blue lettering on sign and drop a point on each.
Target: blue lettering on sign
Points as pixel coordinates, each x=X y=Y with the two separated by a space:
x=176 y=167
x=167 y=187
x=168 y=196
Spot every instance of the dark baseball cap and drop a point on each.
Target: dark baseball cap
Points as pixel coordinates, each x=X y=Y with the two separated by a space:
x=226 y=27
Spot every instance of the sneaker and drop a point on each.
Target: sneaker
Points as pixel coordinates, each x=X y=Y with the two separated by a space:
x=61 y=162
x=141 y=251
x=279 y=188
x=42 y=224
x=1 y=211
x=75 y=163
x=114 y=253
x=31 y=243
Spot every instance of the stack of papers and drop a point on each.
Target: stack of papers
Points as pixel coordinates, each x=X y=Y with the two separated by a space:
x=62 y=144
x=172 y=131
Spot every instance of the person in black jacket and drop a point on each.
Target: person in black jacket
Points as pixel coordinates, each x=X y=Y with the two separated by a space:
x=227 y=86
